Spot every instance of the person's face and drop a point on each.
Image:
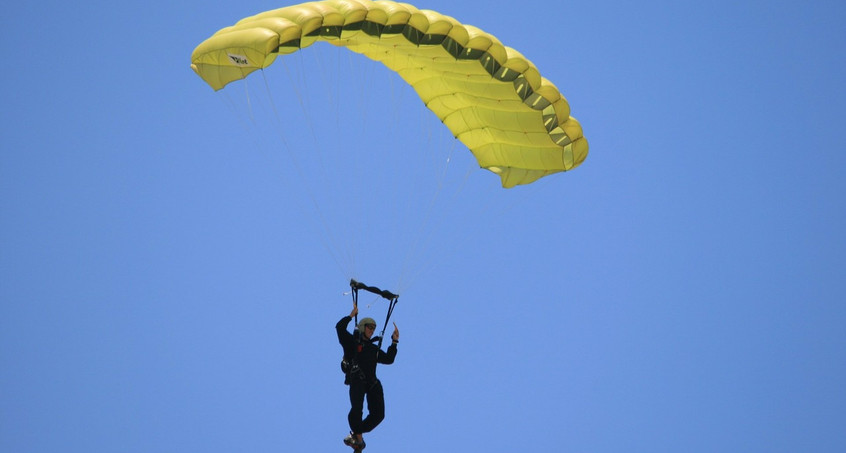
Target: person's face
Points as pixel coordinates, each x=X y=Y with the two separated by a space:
x=368 y=330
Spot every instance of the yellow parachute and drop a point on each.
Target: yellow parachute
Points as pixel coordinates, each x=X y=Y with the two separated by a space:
x=516 y=122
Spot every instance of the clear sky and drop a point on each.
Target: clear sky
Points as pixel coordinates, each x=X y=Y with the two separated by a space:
x=167 y=285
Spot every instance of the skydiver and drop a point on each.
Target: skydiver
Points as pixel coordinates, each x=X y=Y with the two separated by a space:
x=361 y=357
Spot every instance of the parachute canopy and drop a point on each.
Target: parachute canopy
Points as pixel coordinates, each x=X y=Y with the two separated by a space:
x=515 y=122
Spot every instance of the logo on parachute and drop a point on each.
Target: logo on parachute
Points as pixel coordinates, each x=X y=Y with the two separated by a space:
x=239 y=60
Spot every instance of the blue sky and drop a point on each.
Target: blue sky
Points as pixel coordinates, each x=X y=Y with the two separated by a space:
x=167 y=285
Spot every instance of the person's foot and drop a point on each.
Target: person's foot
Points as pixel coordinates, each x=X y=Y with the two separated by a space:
x=356 y=441
x=350 y=440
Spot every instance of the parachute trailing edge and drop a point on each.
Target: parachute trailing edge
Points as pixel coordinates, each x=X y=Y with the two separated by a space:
x=515 y=122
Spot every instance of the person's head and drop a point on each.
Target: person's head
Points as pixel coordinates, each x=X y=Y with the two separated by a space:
x=367 y=326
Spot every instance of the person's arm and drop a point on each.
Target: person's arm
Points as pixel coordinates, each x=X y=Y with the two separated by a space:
x=344 y=337
x=388 y=358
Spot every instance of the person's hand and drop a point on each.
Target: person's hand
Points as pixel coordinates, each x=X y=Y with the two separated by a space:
x=354 y=311
x=395 y=336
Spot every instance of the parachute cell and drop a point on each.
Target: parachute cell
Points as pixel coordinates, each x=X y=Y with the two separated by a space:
x=494 y=100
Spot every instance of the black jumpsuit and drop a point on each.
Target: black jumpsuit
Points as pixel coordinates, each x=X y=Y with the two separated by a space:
x=364 y=384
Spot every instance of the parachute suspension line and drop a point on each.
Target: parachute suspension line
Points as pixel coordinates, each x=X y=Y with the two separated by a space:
x=342 y=102
x=349 y=90
x=279 y=129
x=396 y=101
x=228 y=100
x=406 y=207
x=360 y=66
x=327 y=58
x=245 y=113
x=299 y=92
x=418 y=241
x=328 y=240
x=324 y=70
x=249 y=103
x=439 y=203
x=424 y=241
x=318 y=150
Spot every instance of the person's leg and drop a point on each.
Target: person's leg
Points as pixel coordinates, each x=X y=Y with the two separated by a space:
x=375 y=408
x=357 y=392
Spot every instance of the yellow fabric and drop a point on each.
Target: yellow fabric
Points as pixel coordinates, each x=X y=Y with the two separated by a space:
x=494 y=100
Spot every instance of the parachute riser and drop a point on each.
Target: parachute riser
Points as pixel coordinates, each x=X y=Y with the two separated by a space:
x=391 y=297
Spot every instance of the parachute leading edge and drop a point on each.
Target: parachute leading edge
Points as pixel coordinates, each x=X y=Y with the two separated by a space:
x=515 y=122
